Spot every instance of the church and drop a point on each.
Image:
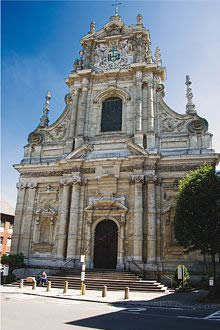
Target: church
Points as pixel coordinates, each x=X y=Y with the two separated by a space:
x=101 y=180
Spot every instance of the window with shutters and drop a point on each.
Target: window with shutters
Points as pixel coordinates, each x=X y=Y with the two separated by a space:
x=111 y=115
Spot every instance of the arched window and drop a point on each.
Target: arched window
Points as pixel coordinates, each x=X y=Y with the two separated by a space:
x=111 y=115
x=44 y=232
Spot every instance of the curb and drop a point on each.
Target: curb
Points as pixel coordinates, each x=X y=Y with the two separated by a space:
x=122 y=302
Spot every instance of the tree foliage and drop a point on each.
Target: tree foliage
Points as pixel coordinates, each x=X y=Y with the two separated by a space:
x=197 y=213
x=14 y=261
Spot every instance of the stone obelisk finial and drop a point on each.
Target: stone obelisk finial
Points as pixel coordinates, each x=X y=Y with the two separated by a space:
x=190 y=106
x=44 y=119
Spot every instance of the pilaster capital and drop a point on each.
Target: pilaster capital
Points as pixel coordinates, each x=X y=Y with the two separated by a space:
x=31 y=185
x=77 y=179
x=151 y=178
x=65 y=181
x=21 y=185
x=138 y=178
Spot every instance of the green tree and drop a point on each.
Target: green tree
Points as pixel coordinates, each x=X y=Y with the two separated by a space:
x=197 y=213
x=14 y=261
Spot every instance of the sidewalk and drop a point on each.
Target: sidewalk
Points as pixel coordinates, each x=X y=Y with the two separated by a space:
x=149 y=299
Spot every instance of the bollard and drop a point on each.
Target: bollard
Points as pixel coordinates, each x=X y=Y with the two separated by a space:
x=21 y=285
x=34 y=285
x=48 y=286
x=104 y=291
x=83 y=289
x=126 y=293
x=65 y=287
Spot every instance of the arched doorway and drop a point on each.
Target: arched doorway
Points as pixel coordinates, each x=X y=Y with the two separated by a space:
x=106 y=245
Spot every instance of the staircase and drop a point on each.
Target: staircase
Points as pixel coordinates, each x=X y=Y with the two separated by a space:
x=96 y=279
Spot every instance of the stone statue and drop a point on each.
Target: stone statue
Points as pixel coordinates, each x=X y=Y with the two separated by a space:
x=139 y=19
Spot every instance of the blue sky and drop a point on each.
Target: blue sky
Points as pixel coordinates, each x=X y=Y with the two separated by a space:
x=41 y=39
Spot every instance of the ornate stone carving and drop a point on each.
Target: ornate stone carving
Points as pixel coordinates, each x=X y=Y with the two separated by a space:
x=113 y=55
x=35 y=138
x=160 y=89
x=119 y=199
x=68 y=99
x=198 y=126
x=138 y=76
x=190 y=106
x=171 y=125
x=158 y=56
x=44 y=119
x=58 y=133
x=137 y=179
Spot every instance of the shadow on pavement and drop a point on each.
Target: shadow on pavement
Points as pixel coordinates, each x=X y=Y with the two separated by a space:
x=177 y=300
x=127 y=320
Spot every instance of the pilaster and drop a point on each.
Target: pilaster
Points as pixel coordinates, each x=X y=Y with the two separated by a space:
x=150 y=117
x=151 y=218
x=138 y=181
x=76 y=181
x=15 y=245
x=26 y=227
x=82 y=114
x=64 y=216
x=138 y=110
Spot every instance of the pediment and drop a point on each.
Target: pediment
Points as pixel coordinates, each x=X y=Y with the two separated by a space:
x=81 y=152
x=136 y=149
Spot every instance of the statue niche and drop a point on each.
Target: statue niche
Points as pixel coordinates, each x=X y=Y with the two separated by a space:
x=45 y=232
x=44 y=229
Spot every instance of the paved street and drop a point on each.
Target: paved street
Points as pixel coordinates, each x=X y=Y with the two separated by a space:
x=23 y=312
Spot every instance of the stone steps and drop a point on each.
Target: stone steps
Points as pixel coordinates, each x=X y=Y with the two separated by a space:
x=95 y=280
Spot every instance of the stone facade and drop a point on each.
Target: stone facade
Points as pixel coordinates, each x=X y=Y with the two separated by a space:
x=74 y=175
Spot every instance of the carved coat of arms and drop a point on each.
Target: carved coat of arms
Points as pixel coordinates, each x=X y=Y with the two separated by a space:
x=114 y=55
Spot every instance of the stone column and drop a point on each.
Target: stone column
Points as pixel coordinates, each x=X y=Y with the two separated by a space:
x=158 y=219
x=151 y=219
x=73 y=105
x=138 y=181
x=15 y=245
x=26 y=228
x=74 y=215
x=63 y=222
x=138 y=123
x=82 y=114
x=139 y=112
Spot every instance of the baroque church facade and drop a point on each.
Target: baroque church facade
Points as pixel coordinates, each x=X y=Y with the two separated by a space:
x=101 y=181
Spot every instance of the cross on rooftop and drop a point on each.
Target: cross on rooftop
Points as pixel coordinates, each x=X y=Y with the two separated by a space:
x=116 y=4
